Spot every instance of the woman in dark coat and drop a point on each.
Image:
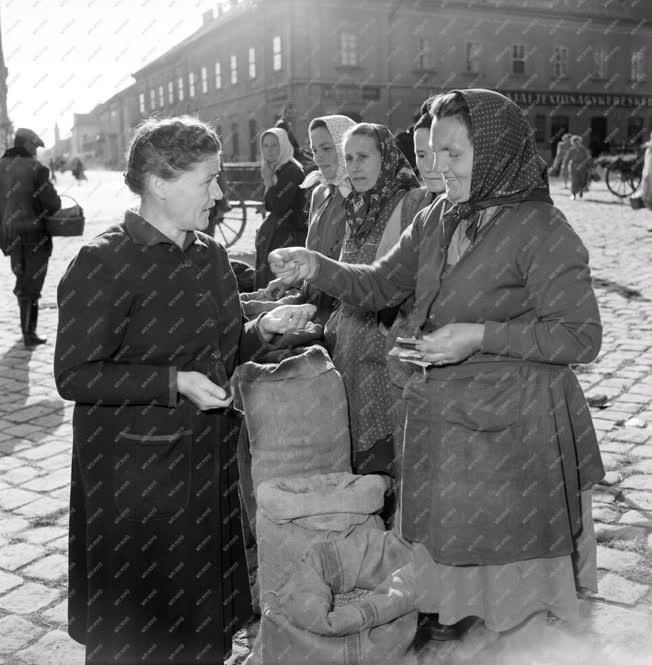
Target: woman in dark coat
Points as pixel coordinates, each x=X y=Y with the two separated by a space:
x=499 y=452
x=285 y=225
x=150 y=329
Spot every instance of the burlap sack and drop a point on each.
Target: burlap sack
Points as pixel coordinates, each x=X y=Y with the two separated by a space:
x=296 y=415
x=295 y=513
x=304 y=625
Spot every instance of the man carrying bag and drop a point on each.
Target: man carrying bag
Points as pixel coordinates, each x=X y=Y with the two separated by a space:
x=27 y=197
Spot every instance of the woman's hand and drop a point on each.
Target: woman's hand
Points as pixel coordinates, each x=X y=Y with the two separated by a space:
x=293 y=264
x=276 y=289
x=202 y=391
x=450 y=344
x=284 y=319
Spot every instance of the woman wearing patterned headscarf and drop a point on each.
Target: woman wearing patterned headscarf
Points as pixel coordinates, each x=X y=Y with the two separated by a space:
x=499 y=453
x=383 y=202
x=284 y=200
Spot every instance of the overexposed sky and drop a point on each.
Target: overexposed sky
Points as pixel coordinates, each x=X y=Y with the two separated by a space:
x=66 y=56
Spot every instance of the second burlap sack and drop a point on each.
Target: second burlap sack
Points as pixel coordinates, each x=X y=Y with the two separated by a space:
x=295 y=513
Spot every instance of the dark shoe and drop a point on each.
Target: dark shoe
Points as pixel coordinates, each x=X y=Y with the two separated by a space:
x=31 y=340
x=431 y=629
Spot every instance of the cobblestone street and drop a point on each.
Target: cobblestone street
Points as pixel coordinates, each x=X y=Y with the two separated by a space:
x=36 y=433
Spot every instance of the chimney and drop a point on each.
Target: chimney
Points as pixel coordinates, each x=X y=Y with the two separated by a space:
x=207 y=16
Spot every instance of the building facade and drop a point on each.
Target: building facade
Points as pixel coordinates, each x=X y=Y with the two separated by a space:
x=580 y=66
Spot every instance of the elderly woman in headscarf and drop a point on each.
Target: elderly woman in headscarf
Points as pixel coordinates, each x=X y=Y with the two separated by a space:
x=499 y=453
x=385 y=198
x=578 y=164
x=284 y=200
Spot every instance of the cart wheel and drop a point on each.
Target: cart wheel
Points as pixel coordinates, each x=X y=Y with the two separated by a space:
x=230 y=229
x=618 y=181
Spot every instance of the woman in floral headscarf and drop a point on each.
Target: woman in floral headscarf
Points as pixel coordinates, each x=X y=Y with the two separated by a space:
x=284 y=200
x=384 y=200
x=499 y=452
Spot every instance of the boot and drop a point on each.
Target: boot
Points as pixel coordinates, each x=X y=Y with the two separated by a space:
x=30 y=338
x=22 y=308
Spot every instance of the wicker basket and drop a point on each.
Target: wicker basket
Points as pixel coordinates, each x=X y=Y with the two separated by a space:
x=66 y=221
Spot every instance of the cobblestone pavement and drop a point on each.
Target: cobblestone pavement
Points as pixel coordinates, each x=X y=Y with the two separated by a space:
x=36 y=430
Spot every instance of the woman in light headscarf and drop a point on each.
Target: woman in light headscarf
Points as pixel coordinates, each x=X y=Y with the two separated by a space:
x=331 y=186
x=284 y=200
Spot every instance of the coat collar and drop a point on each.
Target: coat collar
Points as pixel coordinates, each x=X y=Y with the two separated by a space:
x=143 y=233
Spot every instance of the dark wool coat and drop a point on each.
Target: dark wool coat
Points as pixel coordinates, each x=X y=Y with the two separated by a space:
x=497 y=448
x=157 y=563
x=26 y=197
x=285 y=226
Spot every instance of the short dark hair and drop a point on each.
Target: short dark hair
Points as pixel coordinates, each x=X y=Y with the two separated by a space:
x=452 y=105
x=168 y=147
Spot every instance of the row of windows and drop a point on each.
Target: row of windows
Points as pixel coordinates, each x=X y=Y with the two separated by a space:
x=157 y=97
x=473 y=53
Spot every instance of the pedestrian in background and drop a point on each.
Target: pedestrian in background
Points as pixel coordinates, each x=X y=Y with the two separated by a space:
x=285 y=225
x=559 y=167
x=26 y=197
x=578 y=162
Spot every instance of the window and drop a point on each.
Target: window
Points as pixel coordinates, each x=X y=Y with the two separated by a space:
x=218 y=75
x=152 y=99
x=472 y=58
x=180 y=88
x=141 y=102
x=348 y=49
x=191 y=84
x=425 y=53
x=235 y=141
x=171 y=92
x=276 y=50
x=161 y=96
x=234 y=69
x=635 y=130
x=601 y=60
x=560 y=62
x=638 y=66
x=253 y=140
x=252 y=63
x=518 y=59
x=204 y=80
x=540 y=128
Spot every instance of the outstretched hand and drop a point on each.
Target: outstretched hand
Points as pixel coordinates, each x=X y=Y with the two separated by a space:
x=284 y=319
x=293 y=264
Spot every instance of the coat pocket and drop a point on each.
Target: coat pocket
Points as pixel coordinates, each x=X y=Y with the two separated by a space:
x=152 y=474
x=490 y=401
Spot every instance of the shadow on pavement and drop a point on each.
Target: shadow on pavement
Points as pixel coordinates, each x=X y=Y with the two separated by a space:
x=42 y=417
